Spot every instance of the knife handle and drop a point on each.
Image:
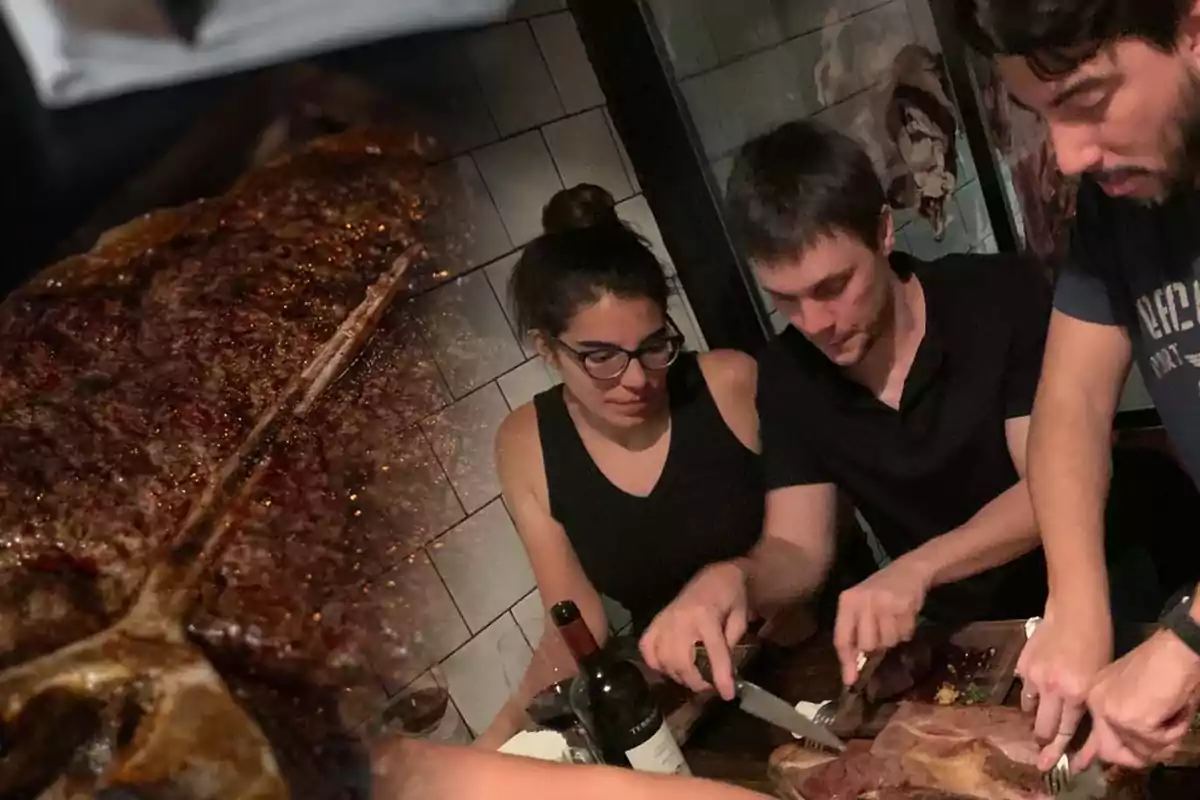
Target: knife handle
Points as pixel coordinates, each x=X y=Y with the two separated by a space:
x=704 y=665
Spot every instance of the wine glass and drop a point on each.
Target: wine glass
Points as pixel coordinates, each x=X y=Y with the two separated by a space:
x=526 y=668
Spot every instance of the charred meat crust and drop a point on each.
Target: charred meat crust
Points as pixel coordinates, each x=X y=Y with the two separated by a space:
x=127 y=376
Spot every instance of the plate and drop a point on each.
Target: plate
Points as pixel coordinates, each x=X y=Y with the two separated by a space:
x=542 y=745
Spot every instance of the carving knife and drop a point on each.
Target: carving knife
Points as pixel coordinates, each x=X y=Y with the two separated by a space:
x=758 y=702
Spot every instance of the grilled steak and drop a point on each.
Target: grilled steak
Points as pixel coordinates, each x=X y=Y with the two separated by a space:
x=939 y=753
x=207 y=463
x=902 y=668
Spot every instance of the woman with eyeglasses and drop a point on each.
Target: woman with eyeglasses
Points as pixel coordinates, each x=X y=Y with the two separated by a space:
x=642 y=467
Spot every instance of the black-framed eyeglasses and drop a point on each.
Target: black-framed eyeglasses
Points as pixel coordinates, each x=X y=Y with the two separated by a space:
x=609 y=362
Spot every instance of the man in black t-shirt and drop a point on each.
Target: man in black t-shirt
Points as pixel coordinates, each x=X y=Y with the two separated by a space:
x=1118 y=82
x=906 y=384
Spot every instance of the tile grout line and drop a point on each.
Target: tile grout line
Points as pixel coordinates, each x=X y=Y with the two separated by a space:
x=537 y=42
x=482 y=93
x=530 y=129
x=508 y=323
x=449 y=594
x=562 y=182
x=446 y=474
x=622 y=156
x=612 y=135
x=733 y=151
x=441 y=664
x=491 y=196
x=419 y=329
x=786 y=41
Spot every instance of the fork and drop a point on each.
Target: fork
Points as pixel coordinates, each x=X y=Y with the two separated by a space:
x=841 y=709
x=823 y=716
x=1058 y=777
x=827 y=713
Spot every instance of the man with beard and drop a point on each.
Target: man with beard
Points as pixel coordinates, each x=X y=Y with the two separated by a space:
x=905 y=384
x=1117 y=83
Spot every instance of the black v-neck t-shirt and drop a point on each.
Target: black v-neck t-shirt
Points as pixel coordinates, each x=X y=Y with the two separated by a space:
x=707 y=505
x=920 y=471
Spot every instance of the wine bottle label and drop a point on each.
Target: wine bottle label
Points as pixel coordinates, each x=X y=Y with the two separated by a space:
x=660 y=753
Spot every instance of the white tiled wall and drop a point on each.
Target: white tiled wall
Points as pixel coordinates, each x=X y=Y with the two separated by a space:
x=521 y=115
x=745 y=68
x=583 y=150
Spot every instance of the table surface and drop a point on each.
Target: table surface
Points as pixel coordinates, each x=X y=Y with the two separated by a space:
x=731 y=746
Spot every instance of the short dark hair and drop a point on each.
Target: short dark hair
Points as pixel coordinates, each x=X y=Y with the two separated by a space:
x=798 y=183
x=1057 y=36
x=587 y=251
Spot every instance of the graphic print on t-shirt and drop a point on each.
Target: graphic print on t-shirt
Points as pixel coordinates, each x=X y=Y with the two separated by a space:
x=1166 y=314
x=1138 y=266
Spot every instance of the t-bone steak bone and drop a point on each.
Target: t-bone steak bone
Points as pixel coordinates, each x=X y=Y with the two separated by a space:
x=165 y=627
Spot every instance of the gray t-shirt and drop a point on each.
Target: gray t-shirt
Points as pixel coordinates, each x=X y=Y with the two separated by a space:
x=1138 y=266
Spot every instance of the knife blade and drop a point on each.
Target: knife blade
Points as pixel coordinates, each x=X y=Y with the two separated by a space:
x=758 y=702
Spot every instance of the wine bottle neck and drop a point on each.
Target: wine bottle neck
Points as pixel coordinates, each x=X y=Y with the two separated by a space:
x=580 y=641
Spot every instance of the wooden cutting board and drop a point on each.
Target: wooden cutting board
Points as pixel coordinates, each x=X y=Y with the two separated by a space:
x=789 y=761
x=1002 y=639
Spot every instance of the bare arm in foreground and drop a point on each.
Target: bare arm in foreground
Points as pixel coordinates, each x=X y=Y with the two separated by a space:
x=407 y=769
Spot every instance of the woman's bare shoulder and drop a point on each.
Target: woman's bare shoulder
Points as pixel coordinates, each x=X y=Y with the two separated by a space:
x=518 y=443
x=732 y=378
x=731 y=369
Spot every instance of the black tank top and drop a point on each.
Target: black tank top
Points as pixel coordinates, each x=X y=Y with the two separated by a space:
x=707 y=505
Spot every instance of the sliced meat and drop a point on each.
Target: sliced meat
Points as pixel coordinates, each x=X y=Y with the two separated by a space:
x=980 y=752
x=853 y=774
x=903 y=668
x=929 y=752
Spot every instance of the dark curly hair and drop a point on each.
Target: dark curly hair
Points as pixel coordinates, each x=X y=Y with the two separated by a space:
x=1057 y=36
x=585 y=252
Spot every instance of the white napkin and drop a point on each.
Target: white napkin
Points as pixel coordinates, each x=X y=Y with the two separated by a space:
x=542 y=745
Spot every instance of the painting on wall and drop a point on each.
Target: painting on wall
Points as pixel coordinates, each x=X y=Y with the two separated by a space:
x=1042 y=199
x=922 y=126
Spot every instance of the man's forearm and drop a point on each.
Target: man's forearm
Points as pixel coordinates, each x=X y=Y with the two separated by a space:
x=780 y=572
x=999 y=532
x=414 y=770
x=1069 y=462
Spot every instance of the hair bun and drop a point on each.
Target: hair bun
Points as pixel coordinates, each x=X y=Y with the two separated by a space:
x=584 y=205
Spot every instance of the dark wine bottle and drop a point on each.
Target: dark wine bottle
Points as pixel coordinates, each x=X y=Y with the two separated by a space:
x=627 y=725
